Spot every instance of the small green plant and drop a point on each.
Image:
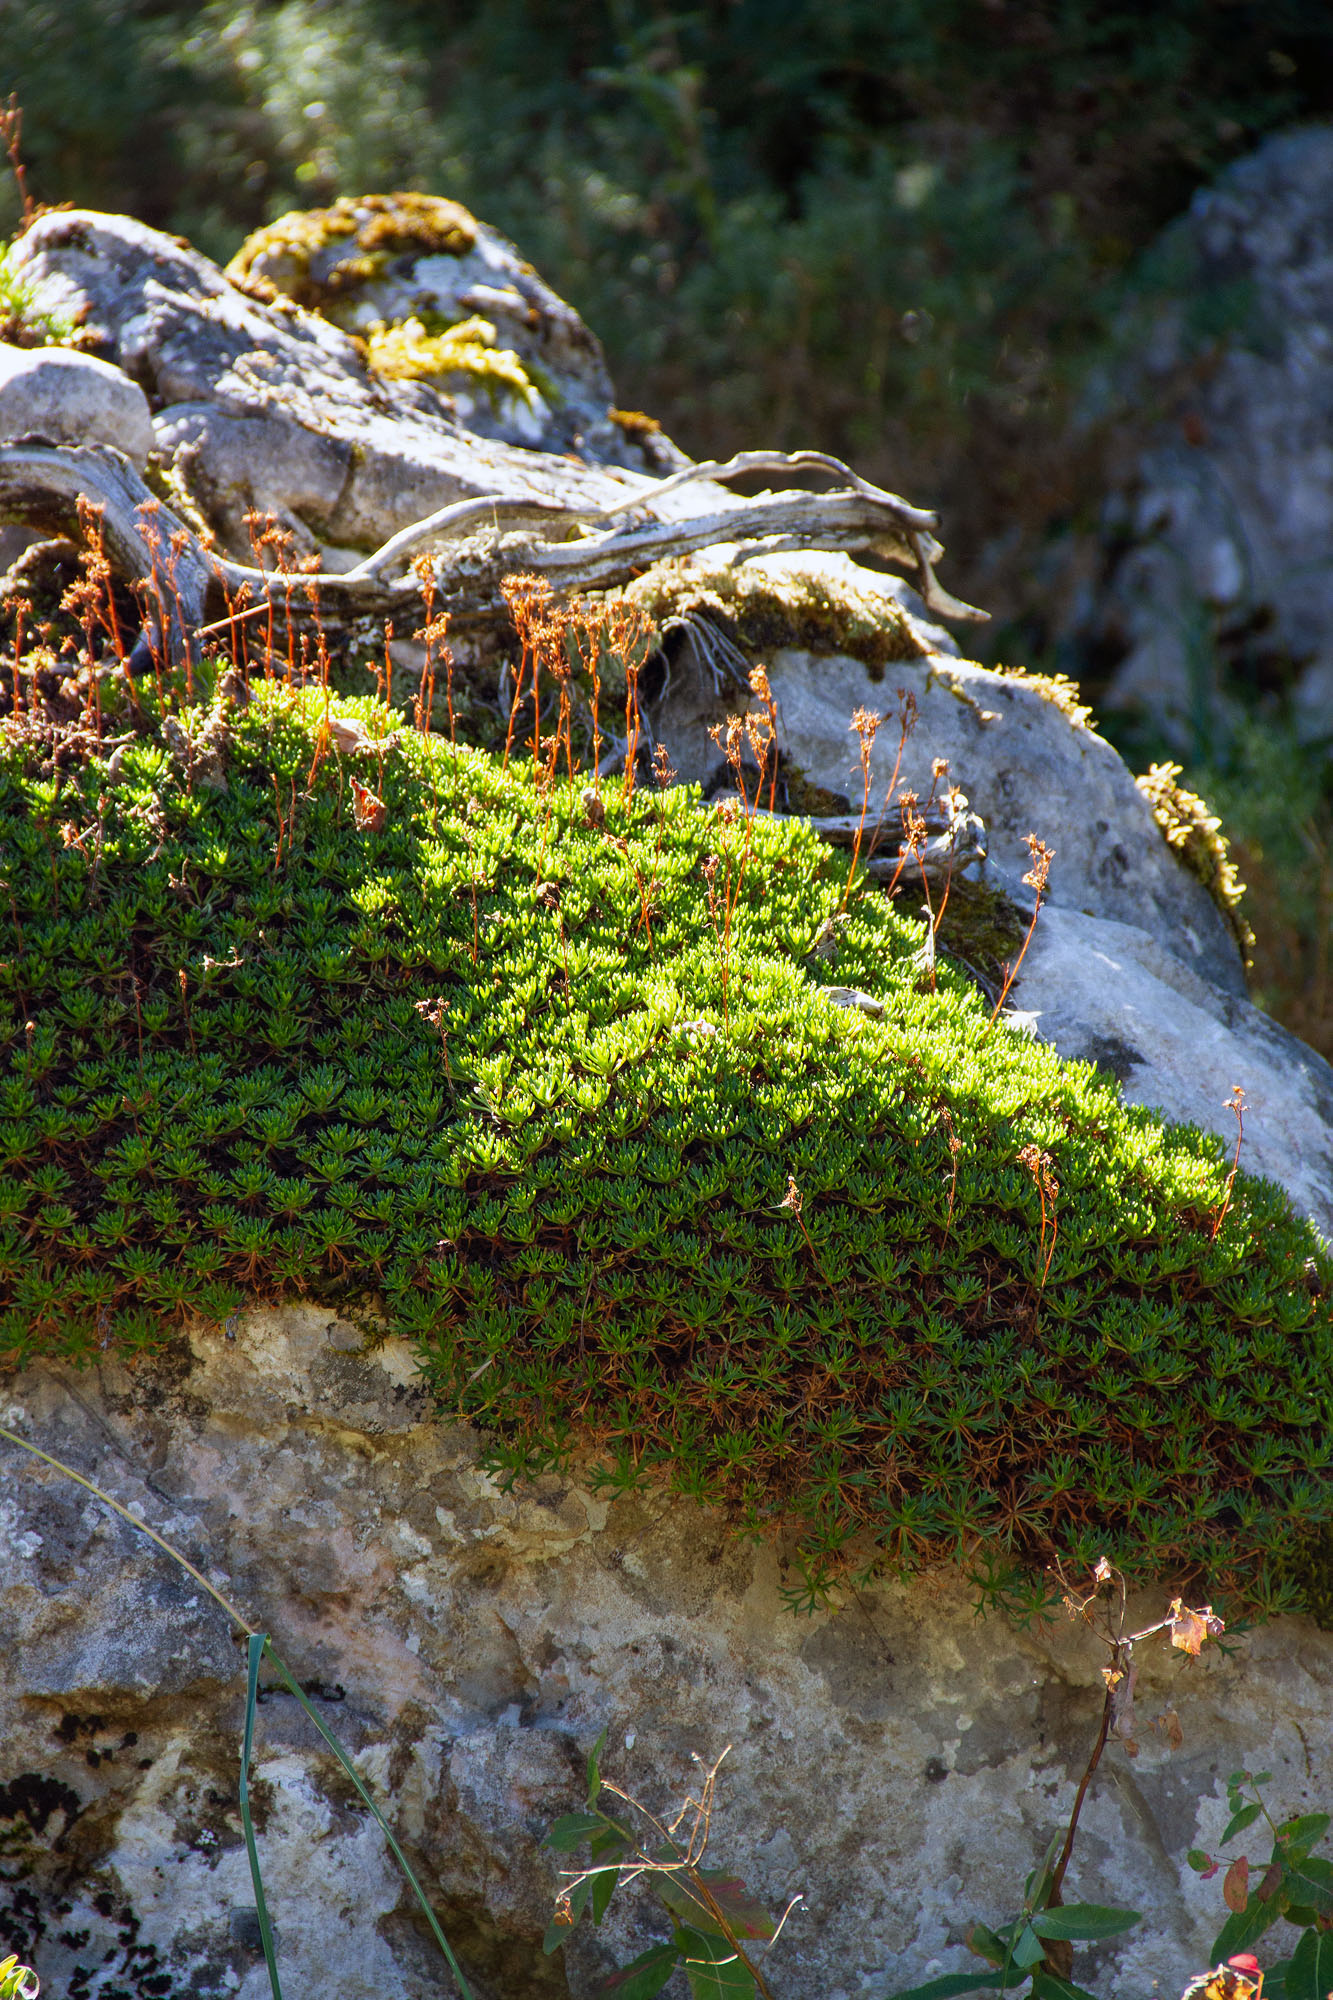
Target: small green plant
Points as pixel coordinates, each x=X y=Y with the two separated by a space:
x=17 y=1982
x=715 y=1921
x=1294 y=1885
x=1035 y=1947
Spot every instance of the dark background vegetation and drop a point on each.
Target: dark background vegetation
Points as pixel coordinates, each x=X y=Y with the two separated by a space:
x=898 y=229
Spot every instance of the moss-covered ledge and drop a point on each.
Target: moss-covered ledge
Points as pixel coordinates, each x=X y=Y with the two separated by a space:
x=551 y=1079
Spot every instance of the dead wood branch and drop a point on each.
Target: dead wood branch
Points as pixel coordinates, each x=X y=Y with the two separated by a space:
x=478 y=542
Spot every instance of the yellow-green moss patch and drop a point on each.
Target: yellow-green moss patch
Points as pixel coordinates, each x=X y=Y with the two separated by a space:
x=1195 y=834
x=376 y=229
x=408 y=352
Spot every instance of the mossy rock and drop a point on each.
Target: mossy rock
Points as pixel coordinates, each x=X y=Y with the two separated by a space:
x=551 y=1084
x=320 y=257
x=820 y=607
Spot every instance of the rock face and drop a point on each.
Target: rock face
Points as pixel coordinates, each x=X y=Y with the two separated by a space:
x=1217 y=531
x=896 y=1760
x=419 y=268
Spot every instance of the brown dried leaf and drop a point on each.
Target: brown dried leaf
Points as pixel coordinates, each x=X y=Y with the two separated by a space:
x=1189 y=1628
x=1236 y=1884
x=369 y=812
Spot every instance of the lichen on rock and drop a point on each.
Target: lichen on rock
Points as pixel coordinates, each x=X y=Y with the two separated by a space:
x=411 y=351
x=320 y=257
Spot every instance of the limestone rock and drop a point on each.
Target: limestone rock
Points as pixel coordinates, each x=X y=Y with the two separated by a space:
x=1109 y=993
x=1219 y=522
x=898 y=1761
x=72 y=398
x=273 y=407
x=516 y=361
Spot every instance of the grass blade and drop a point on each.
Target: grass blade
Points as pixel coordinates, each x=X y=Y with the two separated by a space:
x=257 y=1643
x=464 y=1989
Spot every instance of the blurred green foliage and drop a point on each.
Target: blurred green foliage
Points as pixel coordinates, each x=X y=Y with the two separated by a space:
x=874 y=225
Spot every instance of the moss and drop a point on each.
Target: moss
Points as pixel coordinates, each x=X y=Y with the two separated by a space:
x=407 y=351
x=493 y=1069
x=764 y=607
x=981 y=930
x=804 y=796
x=377 y=229
x=1195 y=835
x=634 y=424
x=1058 y=689
x=24 y=324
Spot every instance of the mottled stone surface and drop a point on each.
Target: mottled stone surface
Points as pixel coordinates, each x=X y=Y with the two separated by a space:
x=900 y=1761
x=272 y=407
x=1109 y=993
x=72 y=398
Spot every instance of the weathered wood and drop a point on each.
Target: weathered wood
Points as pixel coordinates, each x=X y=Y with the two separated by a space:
x=472 y=552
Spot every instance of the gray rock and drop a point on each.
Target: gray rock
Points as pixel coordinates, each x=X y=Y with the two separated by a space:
x=1218 y=527
x=896 y=1760
x=1024 y=763
x=273 y=407
x=471 y=276
x=72 y=398
x=1109 y=993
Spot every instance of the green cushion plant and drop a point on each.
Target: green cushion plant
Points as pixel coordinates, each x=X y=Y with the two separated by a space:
x=547 y=1081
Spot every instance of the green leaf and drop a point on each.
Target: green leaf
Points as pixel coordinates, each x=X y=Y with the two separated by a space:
x=950 y=1984
x=595 y=1768
x=1084 y=1920
x=987 y=1944
x=1304 y=1832
x=572 y=1829
x=747 y=1918
x=712 y=1967
x=606 y=1847
x=1309 y=1883
x=644 y=1976
x=257 y=1642
x=1198 y=1860
x=604 y=1887
x=1239 y=1821
x=1028 y=1950
x=1309 y=1972
x=1246 y=1927
x=1049 y=1986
